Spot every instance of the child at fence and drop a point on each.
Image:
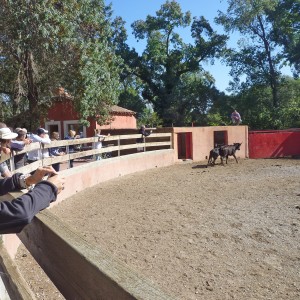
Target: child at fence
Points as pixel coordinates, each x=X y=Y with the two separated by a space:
x=144 y=133
x=98 y=144
x=6 y=135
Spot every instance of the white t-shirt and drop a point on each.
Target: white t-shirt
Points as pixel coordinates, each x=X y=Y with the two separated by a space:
x=39 y=153
x=98 y=144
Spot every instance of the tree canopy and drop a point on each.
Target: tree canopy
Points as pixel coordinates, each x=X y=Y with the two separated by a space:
x=45 y=44
x=167 y=57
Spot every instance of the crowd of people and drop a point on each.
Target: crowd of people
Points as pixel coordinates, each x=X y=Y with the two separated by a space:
x=43 y=185
x=15 y=141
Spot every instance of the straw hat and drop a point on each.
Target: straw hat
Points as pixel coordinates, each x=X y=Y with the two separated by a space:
x=6 y=134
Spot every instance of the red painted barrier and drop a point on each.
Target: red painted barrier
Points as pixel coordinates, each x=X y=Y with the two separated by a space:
x=274 y=143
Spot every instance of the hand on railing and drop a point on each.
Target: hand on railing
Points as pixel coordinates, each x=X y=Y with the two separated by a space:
x=39 y=175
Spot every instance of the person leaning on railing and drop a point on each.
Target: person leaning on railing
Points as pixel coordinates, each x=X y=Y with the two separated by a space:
x=72 y=136
x=17 y=145
x=42 y=137
x=15 y=214
x=55 y=151
x=144 y=133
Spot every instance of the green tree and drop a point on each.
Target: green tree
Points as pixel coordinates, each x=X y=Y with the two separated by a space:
x=130 y=95
x=47 y=43
x=192 y=98
x=258 y=58
x=286 y=23
x=255 y=105
x=167 y=58
x=149 y=118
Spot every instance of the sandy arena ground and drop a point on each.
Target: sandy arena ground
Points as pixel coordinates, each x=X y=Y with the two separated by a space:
x=199 y=233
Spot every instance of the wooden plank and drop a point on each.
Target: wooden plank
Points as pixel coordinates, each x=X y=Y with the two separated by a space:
x=15 y=284
x=80 y=270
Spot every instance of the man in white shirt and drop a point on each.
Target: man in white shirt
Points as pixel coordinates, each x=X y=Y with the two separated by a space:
x=42 y=137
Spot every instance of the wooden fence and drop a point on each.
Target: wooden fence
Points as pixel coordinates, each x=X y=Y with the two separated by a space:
x=117 y=145
x=80 y=270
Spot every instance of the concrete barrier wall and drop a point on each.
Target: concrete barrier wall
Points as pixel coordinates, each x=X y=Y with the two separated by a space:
x=90 y=174
x=79 y=270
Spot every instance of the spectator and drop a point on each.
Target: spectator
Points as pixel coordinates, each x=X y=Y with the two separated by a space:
x=72 y=136
x=236 y=118
x=42 y=137
x=55 y=151
x=144 y=133
x=98 y=144
x=5 y=137
x=18 y=145
x=16 y=214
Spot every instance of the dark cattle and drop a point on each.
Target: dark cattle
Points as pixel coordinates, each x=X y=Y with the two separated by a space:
x=213 y=155
x=229 y=150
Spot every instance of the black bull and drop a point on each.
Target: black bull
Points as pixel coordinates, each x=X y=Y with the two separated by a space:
x=229 y=150
x=224 y=152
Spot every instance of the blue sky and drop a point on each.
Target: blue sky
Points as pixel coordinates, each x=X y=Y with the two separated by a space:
x=132 y=10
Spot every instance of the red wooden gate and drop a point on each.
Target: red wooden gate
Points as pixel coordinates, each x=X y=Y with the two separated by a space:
x=185 y=145
x=274 y=143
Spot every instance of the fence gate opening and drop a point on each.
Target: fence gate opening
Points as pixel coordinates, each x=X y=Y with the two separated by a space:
x=220 y=138
x=184 y=141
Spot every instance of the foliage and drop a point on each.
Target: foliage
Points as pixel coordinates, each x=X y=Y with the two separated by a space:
x=192 y=97
x=149 y=118
x=130 y=95
x=216 y=119
x=258 y=58
x=286 y=23
x=255 y=106
x=48 y=43
x=167 y=58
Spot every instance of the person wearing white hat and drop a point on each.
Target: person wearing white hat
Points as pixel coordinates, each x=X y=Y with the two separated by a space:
x=6 y=135
x=41 y=136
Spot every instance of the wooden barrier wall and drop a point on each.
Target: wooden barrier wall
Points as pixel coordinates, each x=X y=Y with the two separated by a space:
x=274 y=143
x=79 y=270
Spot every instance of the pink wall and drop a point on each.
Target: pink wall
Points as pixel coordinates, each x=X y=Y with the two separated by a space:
x=120 y=121
x=203 y=139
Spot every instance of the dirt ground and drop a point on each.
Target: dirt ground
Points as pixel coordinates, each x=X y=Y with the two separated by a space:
x=199 y=233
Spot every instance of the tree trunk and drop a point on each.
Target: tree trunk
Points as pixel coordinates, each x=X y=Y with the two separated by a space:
x=32 y=93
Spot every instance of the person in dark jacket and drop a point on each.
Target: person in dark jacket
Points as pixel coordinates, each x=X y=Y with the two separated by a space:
x=144 y=133
x=19 y=212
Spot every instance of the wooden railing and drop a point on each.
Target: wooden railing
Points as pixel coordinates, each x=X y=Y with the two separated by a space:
x=117 y=145
x=80 y=270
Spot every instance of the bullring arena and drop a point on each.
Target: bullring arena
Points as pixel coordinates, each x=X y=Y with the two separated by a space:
x=198 y=233
x=152 y=225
